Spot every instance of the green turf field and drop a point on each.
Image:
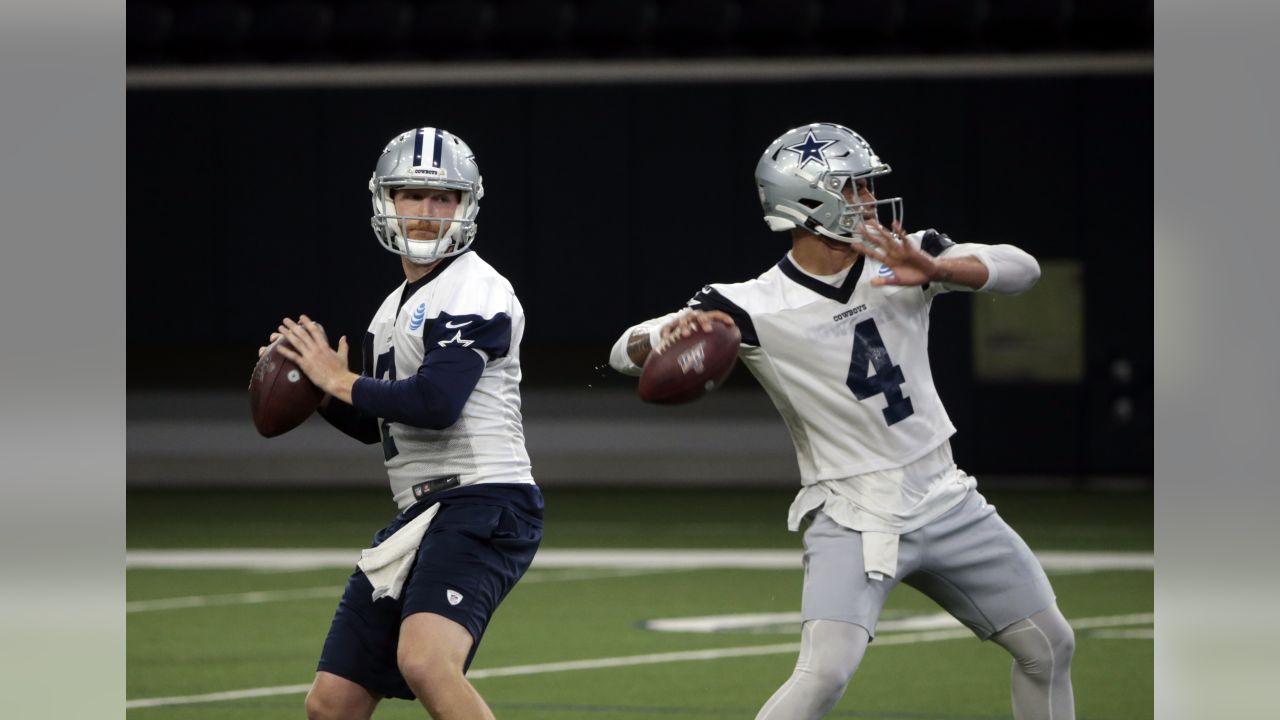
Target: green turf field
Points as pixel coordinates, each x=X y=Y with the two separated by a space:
x=192 y=633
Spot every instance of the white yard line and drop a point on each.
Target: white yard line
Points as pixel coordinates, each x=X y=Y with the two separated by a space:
x=922 y=622
x=633 y=660
x=1129 y=634
x=755 y=621
x=218 y=696
x=333 y=592
x=266 y=559
x=1113 y=621
x=244 y=598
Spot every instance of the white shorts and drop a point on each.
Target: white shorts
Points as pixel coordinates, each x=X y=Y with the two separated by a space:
x=968 y=560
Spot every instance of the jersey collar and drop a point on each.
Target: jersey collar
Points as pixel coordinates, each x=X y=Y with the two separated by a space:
x=416 y=285
x=840 y=294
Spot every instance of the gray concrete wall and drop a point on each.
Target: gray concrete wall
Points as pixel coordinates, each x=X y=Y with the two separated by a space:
x=606 y=437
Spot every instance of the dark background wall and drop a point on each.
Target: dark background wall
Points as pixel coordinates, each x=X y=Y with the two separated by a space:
x=608 y=204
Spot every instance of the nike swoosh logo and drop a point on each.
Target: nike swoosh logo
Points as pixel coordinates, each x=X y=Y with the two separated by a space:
x=451 y=326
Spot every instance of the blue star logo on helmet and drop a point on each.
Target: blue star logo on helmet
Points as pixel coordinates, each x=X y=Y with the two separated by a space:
x=811 y=150
x=419 y=316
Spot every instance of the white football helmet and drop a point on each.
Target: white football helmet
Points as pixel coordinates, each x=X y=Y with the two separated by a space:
x=432 y=158
x=802 y=174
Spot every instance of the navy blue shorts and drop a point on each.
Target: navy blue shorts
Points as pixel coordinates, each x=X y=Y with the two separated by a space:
x=478 y=545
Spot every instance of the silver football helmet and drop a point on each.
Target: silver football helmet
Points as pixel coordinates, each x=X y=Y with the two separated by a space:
x=431 y=158
x=802 y=174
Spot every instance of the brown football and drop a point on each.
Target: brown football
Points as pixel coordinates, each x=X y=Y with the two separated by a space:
x=690 y=366
x=280 y=395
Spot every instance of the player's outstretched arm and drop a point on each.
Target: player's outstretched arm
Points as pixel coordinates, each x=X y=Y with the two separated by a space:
x=1002 y=269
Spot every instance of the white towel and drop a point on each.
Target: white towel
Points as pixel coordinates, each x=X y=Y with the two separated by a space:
x=879 y=554
x=389 y=564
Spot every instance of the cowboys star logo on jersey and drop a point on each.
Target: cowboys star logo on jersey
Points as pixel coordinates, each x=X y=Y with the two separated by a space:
x=811 y=150
x=455 y=340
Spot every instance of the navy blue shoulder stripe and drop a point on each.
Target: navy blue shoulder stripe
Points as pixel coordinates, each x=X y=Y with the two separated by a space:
x=839 y=294
x=935 y=243
x=709 y=298
x=491 y=335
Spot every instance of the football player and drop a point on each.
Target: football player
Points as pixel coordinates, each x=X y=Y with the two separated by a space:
x=837 y=333
x=440 y=390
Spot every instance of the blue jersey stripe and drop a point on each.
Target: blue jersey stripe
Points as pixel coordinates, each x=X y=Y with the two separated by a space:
x=708 y=298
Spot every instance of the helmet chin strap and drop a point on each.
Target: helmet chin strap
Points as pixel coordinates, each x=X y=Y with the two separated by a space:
x=777 y=224
x=436 y=248
x=854 y=239
x=848 y=240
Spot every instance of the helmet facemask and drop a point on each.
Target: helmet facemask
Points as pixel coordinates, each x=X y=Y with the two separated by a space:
x=849 y=225
x=391 y=228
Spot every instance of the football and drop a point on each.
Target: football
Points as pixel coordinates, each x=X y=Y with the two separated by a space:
x=280 y=395
x=689 y=367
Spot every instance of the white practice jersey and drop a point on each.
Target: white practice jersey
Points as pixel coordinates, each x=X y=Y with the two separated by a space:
x=847 y=366
x=464 y=304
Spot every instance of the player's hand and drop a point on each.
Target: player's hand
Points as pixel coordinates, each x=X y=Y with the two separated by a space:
x=326 y=367
x=263 y=350
x=910 y=266
x=690 y=322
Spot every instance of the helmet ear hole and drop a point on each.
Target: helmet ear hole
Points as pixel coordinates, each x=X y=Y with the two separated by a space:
x=810 y=203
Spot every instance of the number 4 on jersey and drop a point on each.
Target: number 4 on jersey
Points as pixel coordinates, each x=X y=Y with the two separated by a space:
x=869 y=352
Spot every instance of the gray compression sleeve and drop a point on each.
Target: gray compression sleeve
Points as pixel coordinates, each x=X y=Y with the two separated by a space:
x=830 y=651
x=1010 y=270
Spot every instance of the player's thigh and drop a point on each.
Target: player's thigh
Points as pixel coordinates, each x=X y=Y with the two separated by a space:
x=836 y=586
x=979 y=569
x=431 y=643
x=333 y=696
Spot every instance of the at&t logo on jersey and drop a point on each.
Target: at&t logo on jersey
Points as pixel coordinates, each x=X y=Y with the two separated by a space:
x=419 y=316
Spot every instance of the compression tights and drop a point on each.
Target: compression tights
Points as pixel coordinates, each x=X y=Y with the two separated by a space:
x=830 y=651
